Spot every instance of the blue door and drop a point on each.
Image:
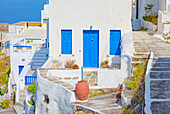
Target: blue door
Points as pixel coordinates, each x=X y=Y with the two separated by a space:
x=20 y=69
x=115 y=38
x=91 y=48
x=66 y=41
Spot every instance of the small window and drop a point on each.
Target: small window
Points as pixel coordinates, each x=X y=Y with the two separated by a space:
x=115 y=42
x=66 y=41
x=46 y=99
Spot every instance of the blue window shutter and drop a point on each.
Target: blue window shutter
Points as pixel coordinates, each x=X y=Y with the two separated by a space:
x=115 y=38
x=20 y=69
x=66 y=41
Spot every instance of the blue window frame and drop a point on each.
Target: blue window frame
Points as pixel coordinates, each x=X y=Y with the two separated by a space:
x=115 y=42
x=66 y=41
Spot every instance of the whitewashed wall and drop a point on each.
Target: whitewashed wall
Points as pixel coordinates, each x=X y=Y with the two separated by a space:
x=16 y=60
x=59 y=98
x=80 y=15
x=45 y=13
x=158 y=5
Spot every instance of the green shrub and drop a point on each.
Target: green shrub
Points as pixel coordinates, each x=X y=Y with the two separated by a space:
x=156 y=30
x=167 y=38
x=149 y=18
x=133 y=85
x=154 y=21
x=5 y=103
x=106 y=62
x=133 y=4
x=4 y=78
x=142 y=29
x=3 y=63
x=31 y=102
x=2 y=92
x=139 y=71
x=148 y=9
x=7 y=69
x=107 y=66
x=31 y=88
x=95 y=93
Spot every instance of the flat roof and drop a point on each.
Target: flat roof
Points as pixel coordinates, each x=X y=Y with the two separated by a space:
x=22 y=23
x=33 y=33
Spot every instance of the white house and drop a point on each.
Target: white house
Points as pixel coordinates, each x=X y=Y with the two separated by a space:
x=158 y=5
x=90 y=32
x=28 y=51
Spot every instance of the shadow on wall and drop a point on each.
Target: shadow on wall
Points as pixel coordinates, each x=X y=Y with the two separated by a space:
x=126 y=62
x=40 y=57
x=116 y=62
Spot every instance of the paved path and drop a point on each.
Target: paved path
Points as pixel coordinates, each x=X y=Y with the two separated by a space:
x=159 y=80
x=105 y=104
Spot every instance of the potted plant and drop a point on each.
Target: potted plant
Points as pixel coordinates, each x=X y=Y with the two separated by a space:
x=75 y=66
x=82 y=90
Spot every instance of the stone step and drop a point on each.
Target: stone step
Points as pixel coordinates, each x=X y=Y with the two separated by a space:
x=41 y=52
x=18 y=109
x=160 y=69
x=32 y=73
x=160 y=75
x=112 y=110
x=160 y=107
x=38 y=58
x=138 y=59
x=160 y=89
x=106 y=96
x=38 y=54
x=39 y=64
x=142 y=57
x=20 y=104
x=36 y=67
x=156 y=64
x=137 y=62
x=141 y=53
x=161 y=60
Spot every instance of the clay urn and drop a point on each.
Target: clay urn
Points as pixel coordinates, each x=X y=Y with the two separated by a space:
x=82 y=90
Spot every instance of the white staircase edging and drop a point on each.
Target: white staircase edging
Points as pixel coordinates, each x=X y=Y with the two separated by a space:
x=147 y=86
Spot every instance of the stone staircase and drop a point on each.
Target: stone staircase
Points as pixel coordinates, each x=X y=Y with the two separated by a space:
x=139 y=58
x=19 y=108
x=105 y=104
x=90 y=77
x=159 y=85
x=38 y=58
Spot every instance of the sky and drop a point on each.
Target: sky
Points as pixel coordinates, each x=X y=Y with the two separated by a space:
x=12 y=11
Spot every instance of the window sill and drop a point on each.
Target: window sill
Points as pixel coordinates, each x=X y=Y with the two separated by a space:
x=66 y=55
x=108 y=55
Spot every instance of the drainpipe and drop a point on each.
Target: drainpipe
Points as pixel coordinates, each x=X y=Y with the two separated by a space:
x=81 y=73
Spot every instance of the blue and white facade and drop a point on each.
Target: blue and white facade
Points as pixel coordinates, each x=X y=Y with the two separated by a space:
x=90 y=31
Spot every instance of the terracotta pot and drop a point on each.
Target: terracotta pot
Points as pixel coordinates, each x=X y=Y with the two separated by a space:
x=82 y=90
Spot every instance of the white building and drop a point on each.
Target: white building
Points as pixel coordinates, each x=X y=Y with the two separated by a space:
x=28 y=51
x=89 y=32
x=158 y=5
